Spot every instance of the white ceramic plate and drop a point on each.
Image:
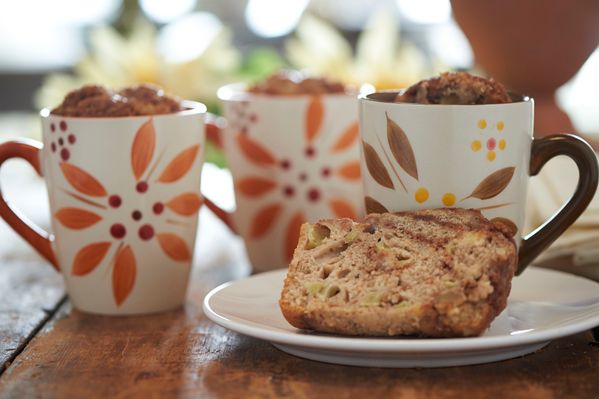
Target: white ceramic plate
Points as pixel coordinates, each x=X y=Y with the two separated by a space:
x=543 y=305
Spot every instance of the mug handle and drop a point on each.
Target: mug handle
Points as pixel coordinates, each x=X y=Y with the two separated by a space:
x=29 y=150
x=214 y=126
x=583 y=155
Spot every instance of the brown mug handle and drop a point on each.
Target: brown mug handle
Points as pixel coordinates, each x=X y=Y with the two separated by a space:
x=583 y=155
x=39 y=239
x=214 y=126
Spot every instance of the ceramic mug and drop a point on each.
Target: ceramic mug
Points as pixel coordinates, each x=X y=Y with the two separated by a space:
x=293 y=158
x=469 y=156
x=124 y=194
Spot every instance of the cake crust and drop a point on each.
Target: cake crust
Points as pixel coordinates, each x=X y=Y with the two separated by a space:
x=433 y=273
x=456 y=88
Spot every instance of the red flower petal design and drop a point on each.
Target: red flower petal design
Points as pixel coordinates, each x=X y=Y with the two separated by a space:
x=174 y=246
x=142 y=149
x=185 y=204
x=350 y=171
x=264 y=220
x=343 y=209
x=89 y=257
x=180 y=165
x=82 y=181
x=123 y=274
x=292 y=234
x=347 y=138
x=75 y=218
x=254 y=151
x=254 y=186
x=314 y=116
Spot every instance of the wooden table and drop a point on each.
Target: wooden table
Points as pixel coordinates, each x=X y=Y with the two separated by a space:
x=50 y=350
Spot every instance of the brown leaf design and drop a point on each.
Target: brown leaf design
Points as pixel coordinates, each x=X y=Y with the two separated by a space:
x=254 y=186
x=82 y=181
x=509 y=226
x=373 y=206
x=401 y=148
x=89 y=257
x=292 y=234
x=123 y=274
x=75 y=218
x=174 y=246
x=264 y=219
x=493 y=184
x=376 y=167
x=347 y=138
x=142 y=149
x=180 y=165
x=255 y=151
x=314 y=116
x=186 y=204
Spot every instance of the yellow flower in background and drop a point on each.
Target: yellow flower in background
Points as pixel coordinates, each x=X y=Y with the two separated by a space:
x=381 y=57
x=117 y=61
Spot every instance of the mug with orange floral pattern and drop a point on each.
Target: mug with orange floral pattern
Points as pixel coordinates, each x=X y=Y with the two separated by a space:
x=294 y=158
x=124 y=194
x=468 y=156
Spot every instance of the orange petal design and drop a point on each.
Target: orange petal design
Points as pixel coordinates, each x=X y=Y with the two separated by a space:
x=254 y=151
x=75 y=218
x=254 y=186
x=314 y=116
x=264 y=219
x=174 y=246
x=347 y=138
x=82 y=181
x=142 y=149
x=350 y=171
x=185 y=204
x=180 y=165
x=89 y=257
x=123 y=274
x=292 y=234
x=343 y=209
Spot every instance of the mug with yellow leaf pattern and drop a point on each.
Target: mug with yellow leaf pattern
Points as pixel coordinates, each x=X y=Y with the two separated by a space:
x=469 y=156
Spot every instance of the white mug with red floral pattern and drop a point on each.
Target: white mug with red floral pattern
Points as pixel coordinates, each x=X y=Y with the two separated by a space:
x=294 y=158
x=469 y=156
x=124 y=194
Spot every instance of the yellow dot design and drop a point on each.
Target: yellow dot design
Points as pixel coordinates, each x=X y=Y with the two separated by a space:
x=491 y=155
x=501 y=144
x=476 y=145
x=421 y=195
x=448 y=199
x=500 y=125
x=482 y=124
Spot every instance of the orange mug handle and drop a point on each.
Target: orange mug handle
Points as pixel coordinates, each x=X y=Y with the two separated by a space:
x=214 y=126
x=29 y=150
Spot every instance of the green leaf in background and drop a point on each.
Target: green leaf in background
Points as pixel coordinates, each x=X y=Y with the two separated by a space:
x=214 y=155
x=261 y=62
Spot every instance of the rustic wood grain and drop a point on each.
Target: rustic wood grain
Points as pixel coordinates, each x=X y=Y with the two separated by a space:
x=182 y=354
x=30 y=292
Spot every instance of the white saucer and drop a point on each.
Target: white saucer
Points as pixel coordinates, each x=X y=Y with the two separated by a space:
x=543 y=305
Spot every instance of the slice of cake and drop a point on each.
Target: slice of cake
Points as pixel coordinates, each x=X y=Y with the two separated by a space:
x=435 y=273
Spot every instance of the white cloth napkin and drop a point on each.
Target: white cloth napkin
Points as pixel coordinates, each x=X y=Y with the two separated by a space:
x=547 y=192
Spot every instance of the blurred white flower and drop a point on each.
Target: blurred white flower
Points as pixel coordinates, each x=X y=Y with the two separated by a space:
x=381 y=57
x=117 y=61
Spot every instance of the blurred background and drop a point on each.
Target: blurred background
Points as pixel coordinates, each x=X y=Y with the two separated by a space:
x=191 y=47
